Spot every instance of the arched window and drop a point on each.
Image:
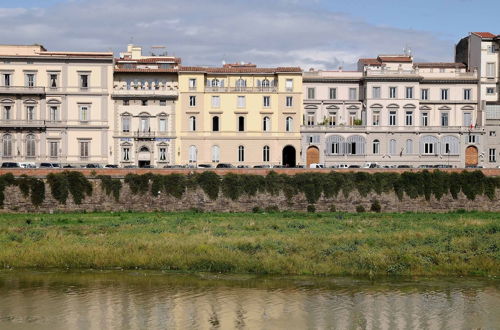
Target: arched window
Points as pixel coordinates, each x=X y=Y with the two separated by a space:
x=266 y=124
x=376 y=147
x=7 y=145
x=30 y=146
x=392 y=147
x=215 y=123
x=215 y=82
x=241 y=83
x=193 y=154
x=289 y=124
x=192 y=123
x=428 y=145
x=215 y=154
x=409 y=147
x=241 y=153
x=241 y=124
x=355 y=145
x=335 y=145
x=449 y=145
x=265 y=153
x=265 y=83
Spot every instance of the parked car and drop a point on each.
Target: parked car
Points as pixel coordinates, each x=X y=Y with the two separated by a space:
x=224 y=165
x=316 y=165
x=10 y=165
x=242 y=166
x=27 y=165
x=130 y=166
x=205 y=166
x=93 y=166
x=370 y=165
x=110 y=166
x=262 y=166
x=354 y=166
x=474 y=166
x=49 y=165
x=148 y=166
x=405 y=166
x=69 y=166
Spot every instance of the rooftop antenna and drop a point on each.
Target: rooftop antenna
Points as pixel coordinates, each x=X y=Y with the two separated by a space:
x=407 y=50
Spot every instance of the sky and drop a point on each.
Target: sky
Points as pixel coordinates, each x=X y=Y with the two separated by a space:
x=317 y=34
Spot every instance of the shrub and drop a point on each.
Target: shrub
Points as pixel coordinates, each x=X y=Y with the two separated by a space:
x=138 y=184
x=210 y=183
x=376 y=207
x=333 y=208
x=311 y=208
x=111 y=186
x=175 y=184
x=231 y=186
x=256 y=209
x=58 y=187
x=272 y=209
x=360 y=209
x=37 y=190
x=61 y=184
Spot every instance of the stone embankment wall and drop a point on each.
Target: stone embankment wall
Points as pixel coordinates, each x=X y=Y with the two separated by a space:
x=196 y=199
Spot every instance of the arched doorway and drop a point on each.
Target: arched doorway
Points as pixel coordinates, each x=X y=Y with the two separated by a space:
x=471 y=156
x=144 y=157
x=312 y=156
x=289 y=159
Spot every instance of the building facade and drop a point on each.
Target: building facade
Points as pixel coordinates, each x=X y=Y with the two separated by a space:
x=394 y=112
x=239 y=114
x=55 y=105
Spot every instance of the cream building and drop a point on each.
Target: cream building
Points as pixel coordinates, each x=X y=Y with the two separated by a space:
x=239 y=114
x=54 y=105
x=392 y=111
x=145 y=93
x=481 y=52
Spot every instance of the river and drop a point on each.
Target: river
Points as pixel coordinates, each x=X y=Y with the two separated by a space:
x=156 y=300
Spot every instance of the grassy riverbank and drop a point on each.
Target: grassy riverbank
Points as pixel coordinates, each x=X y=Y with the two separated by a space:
x=276 y=243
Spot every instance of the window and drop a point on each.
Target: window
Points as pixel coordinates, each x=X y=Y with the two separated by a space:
x=163 y=154
x=332 y=119
x=409 y=118
x=333 y=93
x=126 y=154
x=425 y=119
x=241 y=124
x=491 y=49
x=265 y=153
x=311 y=93
x=126 y=102
x=467 y=94
x=353 y=93
x=30 y=80
x=266 y=101
x=54 y=113
x=241 y=153
x=7 y=145
x=144 y=103
x=53 y=80
x=215 y=123
x=335 y=148
x=310 y=119
x=84 y=149
x=409 y=92
x=471 y=138
x=393 y=92
x=7 y=112
x=84 y=81
x=30 y=112
x=6 y=79
x=409 y=147
x=215 y=154
x=376 y=147
x=30 y=146
x=192 y=101
x=444 y=94
x=492 y=155
x=490 y=90
x=467 y=119
x=493 y=133
x=490 y=70
x=376 y=118
x=392 y=147
x=84 y=113
x=429 y=148
x=288 y=85
x=125 y=124
x=192 y=123
x=53 y=149
x=424 y=94
x=376 y=92
x=241 y=102
x=192 y=83
x=162 y=124
x=193 y=154
x=266 y=124
x=215 y=101
x=392 y=118
x=288 y=124
x=163 y=103
x=313 y=138
x=289 y=101
x=241 y=84
x=144 y=123
x=352 y=118
x=444 y=119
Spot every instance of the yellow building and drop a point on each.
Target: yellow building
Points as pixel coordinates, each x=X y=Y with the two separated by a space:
x=239 y=114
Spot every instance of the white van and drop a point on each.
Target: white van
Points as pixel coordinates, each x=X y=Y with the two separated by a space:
x=27 y=165
x=370 y=165
x=316 y=165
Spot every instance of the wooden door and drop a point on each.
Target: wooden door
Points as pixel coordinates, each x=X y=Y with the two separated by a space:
x=471 y=156
x=312 y=155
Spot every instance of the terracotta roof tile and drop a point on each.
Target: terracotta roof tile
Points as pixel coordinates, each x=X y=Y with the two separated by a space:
x=246 y=69
x=370 y=61
x=146 y=70
x=485 y=34
x=395 y=58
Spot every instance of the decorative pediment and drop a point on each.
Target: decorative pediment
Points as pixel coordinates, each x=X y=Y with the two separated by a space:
x=376 y=106
x=311 y=107
x=409 y=106
x=7 y=101
x=332 y=107
x=353 y=107
x=425 y=107
x=393 y=106
x=467 y=107
x=30 y=101
x=444 y=107
x=53 y=101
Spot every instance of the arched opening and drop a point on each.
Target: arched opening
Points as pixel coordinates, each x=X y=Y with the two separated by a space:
x=312 y=156
x=471 y=156
x=144 y=157
x=289 y=157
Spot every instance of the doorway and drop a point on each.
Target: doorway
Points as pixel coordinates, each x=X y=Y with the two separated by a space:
x=312 y=156
x=289 y=157
x=471 y=156
x=144 y=157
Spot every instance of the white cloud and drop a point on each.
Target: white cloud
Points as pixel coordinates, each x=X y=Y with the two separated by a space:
x=281 y=32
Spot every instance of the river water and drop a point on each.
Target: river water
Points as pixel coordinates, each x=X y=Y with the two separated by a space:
x=156 y=300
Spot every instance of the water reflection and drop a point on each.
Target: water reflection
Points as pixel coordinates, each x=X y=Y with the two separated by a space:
x=152 y=300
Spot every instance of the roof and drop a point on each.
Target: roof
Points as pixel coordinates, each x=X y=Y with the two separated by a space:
x=241 y=69
x=395 y=59
x=370 y=61
x=150 y=60
x=439 y=65
x=485 y=34
x=77 y=54
x=146 y=70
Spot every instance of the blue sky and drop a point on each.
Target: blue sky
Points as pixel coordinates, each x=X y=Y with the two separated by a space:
x=308 y=33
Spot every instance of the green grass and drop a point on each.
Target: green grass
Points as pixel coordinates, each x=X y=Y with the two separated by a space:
x=276 y=243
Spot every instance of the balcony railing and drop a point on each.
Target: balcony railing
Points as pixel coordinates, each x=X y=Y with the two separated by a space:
x=272 y=89
x=144 y=135
x=153 y=92
x=21 y=90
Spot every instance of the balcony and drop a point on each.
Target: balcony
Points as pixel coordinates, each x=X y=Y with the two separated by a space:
x=168 y=92
x=389 y=129
x=22 y=90
x=272 y=89
x=140 y=135
x=20 y=124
